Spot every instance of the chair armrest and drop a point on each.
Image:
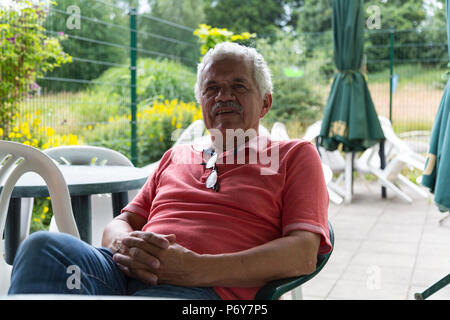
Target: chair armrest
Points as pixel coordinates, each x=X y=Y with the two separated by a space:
x=275 y=289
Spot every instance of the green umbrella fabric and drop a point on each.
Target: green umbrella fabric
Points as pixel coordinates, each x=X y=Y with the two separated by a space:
x=349 y=117
x=436 y=175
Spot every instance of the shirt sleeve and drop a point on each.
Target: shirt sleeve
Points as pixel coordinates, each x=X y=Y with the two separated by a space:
x=142 y=203
x=305 y=194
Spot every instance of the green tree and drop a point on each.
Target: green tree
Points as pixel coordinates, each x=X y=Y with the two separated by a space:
x=294 y=98
x=314 y=16
x=167 y=30
x=263 y=17
x=101 y=40
x=403 y=16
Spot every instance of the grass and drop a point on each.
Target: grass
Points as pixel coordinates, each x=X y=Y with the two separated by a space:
x=410 y=74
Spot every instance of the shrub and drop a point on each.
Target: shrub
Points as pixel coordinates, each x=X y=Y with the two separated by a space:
x=156 y=80
x=293 y=76
x=209 y=37
x=157 y=127
x=26 y=53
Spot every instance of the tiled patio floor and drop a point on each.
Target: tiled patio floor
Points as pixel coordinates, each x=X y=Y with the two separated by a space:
x=384 y=249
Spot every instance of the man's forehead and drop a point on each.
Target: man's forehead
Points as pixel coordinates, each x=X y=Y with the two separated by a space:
x=241 y=74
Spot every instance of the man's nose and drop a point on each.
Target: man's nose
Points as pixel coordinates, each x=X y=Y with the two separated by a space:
x=225 y=94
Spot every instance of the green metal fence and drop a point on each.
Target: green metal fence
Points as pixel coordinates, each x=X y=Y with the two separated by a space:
x=111 y=46
x=79 y=96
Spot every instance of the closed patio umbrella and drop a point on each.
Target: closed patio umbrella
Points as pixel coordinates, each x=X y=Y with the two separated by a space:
x=349 y=121
x=436 y=175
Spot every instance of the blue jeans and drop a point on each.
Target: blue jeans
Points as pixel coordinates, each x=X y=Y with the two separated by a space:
x=48 y=262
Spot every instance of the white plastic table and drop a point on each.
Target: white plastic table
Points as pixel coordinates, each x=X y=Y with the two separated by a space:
x=82 y=182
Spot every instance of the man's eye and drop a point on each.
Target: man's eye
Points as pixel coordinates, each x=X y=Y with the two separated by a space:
x=239 y=86
x=211 y=88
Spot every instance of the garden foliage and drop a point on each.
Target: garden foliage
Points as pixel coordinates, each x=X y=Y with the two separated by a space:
x=26 y=53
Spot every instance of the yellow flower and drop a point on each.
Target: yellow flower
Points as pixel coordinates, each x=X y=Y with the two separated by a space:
x=42 y=216
x=37 y=220
x=73 y=139
x=25 y=128
x=15 y=129
x=1 y=132
x=36 y=122
x=11 y=135
x=50 y=132
x=45 y=210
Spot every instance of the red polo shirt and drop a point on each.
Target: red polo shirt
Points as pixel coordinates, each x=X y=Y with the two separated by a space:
x=268 y=196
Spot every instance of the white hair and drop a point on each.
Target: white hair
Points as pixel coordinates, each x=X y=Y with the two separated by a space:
x=261 y=72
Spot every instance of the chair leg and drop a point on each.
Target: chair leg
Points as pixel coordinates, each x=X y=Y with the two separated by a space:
x=412 y=186
x=348 y=177
x=394 y=188
x=26 y=211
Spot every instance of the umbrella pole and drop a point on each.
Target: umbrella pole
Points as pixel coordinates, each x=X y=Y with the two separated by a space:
x=382 y=165
x=348 y=177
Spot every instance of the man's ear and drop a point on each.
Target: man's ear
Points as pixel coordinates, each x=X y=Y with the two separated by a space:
x=267 y=103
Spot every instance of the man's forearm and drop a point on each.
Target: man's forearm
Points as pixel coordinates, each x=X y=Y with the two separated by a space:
x=120 y=226
x=288 y=256
x=113 y=232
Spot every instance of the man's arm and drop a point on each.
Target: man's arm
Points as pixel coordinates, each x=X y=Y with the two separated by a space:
x=289 y=256
x=120 y=227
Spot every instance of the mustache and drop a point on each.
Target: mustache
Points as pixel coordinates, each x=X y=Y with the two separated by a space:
x=230 y=104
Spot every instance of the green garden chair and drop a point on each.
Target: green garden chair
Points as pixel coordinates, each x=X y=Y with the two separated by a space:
x=275 y=289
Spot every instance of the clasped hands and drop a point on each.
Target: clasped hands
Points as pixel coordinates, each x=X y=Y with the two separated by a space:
x=154 y=258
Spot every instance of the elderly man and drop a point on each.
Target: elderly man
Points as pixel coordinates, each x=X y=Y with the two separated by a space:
x=214 y=227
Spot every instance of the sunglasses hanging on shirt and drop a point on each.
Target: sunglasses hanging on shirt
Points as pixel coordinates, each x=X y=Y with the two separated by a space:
x=212 y=182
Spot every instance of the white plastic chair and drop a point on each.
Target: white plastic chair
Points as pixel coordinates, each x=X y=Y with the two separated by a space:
x=398 y=155
x=15 y=160
x=263 y=131
x=193 y=131
x=101 y=204
x=279 y=132
x=390 y=176
x=395 y=146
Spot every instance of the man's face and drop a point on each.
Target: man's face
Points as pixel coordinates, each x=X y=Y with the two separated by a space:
x=230 y=98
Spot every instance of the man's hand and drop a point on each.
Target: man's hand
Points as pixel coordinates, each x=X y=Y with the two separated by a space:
x=135 y=254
